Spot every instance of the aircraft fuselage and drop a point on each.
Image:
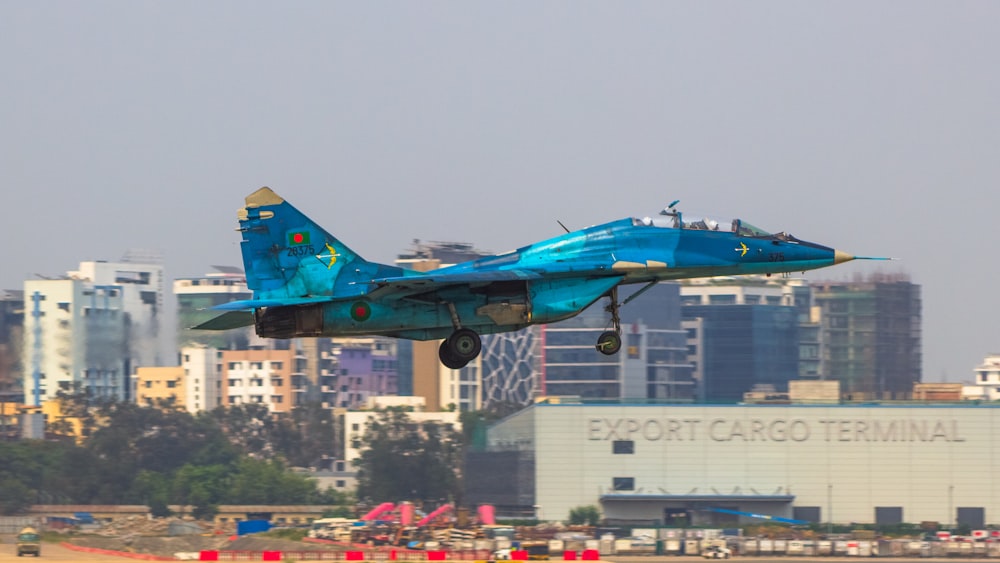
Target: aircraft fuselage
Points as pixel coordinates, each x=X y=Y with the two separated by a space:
x=562 y=276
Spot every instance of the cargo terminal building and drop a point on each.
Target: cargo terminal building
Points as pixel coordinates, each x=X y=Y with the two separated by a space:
x=713 y=466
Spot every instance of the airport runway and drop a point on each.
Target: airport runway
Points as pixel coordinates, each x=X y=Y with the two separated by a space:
x=55 y=552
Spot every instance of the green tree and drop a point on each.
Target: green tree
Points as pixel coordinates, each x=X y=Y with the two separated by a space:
x=316 y=435
x=162 y=456
x=154 y=489
x=267 y=482
x=201 y=486
x=588 y=515
x=401 y=459
x=136 y=439
x=249 y=427
x=15 y=496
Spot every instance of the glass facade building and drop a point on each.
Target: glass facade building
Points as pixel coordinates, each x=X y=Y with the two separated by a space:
x=745 y=345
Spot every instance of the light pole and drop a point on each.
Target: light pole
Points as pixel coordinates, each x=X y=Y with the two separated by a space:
x=951 y=498
x=829 y=508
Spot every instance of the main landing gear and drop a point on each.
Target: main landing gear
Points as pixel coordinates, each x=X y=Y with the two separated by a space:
x=462 y=346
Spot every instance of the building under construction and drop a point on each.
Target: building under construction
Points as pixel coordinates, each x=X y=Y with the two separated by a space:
x=870 y=331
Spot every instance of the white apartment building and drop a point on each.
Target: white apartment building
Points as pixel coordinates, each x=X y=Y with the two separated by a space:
x=75 y=336
x=141 y=281
x=203 y=378
x=986 y=386
x=93 y=327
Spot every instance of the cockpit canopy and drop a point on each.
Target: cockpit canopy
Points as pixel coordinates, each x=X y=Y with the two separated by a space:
x=676 y=221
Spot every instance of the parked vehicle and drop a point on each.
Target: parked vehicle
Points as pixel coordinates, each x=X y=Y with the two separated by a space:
x=28 y=541
x=717 y=552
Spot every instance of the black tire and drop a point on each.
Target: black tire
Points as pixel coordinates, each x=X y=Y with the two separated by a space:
x=449 y=361
x=609 y=343
x=464 y=344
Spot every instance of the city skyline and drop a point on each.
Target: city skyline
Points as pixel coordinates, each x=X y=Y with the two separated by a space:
x=867 y=126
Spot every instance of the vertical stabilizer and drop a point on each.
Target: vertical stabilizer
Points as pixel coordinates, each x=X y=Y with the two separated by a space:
x=286 y=254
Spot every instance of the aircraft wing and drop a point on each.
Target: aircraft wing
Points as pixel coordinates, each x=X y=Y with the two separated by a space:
x=405 y=286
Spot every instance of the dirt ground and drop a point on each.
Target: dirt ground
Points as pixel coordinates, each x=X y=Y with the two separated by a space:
x=168 y=546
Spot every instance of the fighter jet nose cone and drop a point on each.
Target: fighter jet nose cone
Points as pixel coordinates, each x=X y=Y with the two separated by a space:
x=839 y=256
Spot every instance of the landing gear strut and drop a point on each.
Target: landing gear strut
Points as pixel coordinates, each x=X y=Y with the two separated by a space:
x=610 y=342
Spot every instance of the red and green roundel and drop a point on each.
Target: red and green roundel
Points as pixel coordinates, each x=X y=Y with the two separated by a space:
x=298 y=237
x=361 y=311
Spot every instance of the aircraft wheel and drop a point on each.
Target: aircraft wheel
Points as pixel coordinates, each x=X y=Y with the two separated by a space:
x=609 y=343
x=449 y=361
x=464 y=344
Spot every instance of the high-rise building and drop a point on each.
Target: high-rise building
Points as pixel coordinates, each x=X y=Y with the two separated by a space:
x=195 y=298
x=511 y=363
x=76 y=339
x=870 y=330
x=743 y=333
x=11 y=344
x=140 y=276
x=91 y=329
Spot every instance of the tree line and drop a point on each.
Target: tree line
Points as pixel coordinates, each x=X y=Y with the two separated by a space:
x=162 y=456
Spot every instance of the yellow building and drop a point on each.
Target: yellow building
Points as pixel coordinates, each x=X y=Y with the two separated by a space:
x=57 y=423
x=156 y=384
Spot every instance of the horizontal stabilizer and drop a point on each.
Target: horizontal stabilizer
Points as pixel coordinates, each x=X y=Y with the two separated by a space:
x=226 y=321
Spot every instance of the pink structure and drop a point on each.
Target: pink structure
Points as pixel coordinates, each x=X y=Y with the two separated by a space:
x=375 y=512
x=440 y=510
x=406 y=514
x=487 y=514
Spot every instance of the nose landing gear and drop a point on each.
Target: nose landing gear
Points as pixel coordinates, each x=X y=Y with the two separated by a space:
x=610 y=342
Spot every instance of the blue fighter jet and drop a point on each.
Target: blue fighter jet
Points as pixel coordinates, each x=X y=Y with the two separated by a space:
x=306 y=282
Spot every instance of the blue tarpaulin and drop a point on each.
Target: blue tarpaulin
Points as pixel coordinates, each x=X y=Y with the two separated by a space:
x=252 y=527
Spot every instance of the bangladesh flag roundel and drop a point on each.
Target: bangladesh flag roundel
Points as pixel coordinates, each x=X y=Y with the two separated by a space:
x=361 y=311
x=298 y=237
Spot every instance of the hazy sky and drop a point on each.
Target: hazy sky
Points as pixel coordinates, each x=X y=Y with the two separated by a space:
x=873 y=127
